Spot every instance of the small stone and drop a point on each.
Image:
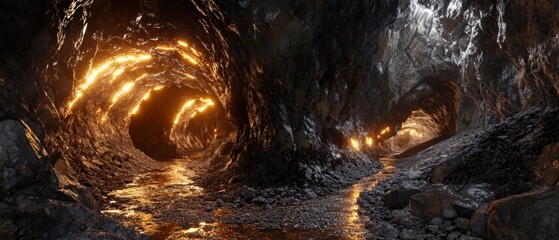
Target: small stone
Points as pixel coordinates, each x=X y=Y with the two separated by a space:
x=219 y=202
x=449 y=212
x=386 y=230
x=437 y=221
x=453 y=236
x=408 y=234
x=465 y=237
x=261 y=200
x=447 y=223
x=247 y=193
x=432 y=228
x=309 y=193
x=398 y=214
x=406 y=222
x=462 y=223
x=449 y=228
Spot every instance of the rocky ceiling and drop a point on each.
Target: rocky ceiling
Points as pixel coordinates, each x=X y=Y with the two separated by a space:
x=305 y=92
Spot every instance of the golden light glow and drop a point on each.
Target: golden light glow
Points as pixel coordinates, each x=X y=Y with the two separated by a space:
x=188 y=58
x=135 y=109
x=385 y=130
x=355 y=144
x=185 y=106
x=369 y=141
x=121 y=62
x=195 y=52
x=166 y=48
x=117 y=73
x=126 y=88
x=182 y=44
x=116 y=67
x=412 y=132
x=195 y=106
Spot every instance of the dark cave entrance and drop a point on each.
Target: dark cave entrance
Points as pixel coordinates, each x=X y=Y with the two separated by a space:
x=174 y=121
x=424 y=116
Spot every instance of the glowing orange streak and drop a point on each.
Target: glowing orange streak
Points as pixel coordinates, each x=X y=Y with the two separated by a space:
x=117 y=73
x=387 y=129
x=166 y=48
x=185 y=106
x=182 y=44
x=195 y=52
x=94 y=74
x=369 y=141
x=354 y=144
x=188 y=58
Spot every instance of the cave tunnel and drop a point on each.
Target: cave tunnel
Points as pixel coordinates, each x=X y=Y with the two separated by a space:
x=164 y=128
x=269 y=119
x=425 y=115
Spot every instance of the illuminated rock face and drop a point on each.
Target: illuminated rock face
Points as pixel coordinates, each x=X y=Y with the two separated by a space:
x=297 y=80
x=300 y=85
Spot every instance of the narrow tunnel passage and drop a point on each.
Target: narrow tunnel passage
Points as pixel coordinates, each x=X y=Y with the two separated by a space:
x=424 y=116
x=173 y=122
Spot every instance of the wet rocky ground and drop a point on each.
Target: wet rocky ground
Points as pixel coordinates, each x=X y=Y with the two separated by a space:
x=493 y=183
x=170 y=204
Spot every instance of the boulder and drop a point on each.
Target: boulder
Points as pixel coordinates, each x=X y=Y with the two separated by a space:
x=525 y=216
x=399 y=198
x=247 y=193
x=479 y=221
x=472 y=197
x=462 y=223
x=449 y=212
x=430 y=203
x=22 y=157
x=386 y=230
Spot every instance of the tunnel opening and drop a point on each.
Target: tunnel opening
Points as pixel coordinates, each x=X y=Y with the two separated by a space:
x=175 y=121
x=424 y=116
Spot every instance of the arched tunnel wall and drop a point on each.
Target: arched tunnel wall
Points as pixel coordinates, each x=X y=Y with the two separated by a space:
x=293 y=76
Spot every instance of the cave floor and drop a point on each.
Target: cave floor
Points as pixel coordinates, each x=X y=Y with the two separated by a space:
x=169 y=204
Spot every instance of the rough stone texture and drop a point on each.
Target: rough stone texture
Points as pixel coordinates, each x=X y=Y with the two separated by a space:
x=399 y=198
x=297 y=78
x=23 y=160
x=471 y=197
x=430 y=203
x=526 y=216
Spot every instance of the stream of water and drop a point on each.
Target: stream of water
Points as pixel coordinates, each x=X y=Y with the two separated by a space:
x=167 y=204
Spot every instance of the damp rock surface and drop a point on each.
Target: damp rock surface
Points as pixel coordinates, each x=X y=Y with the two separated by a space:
x=291 y=100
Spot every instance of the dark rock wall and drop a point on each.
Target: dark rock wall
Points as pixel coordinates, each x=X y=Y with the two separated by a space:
x=298 y=78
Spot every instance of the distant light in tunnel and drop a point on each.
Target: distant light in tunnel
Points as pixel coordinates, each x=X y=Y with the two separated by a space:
x=355 y=144
x=198 y=105
x=385 y=130
x=206 y=104
x=369 y=141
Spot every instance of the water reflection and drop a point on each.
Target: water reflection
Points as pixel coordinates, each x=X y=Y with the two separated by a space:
x=355 y=223
x=134 y=204
x=168 y=205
